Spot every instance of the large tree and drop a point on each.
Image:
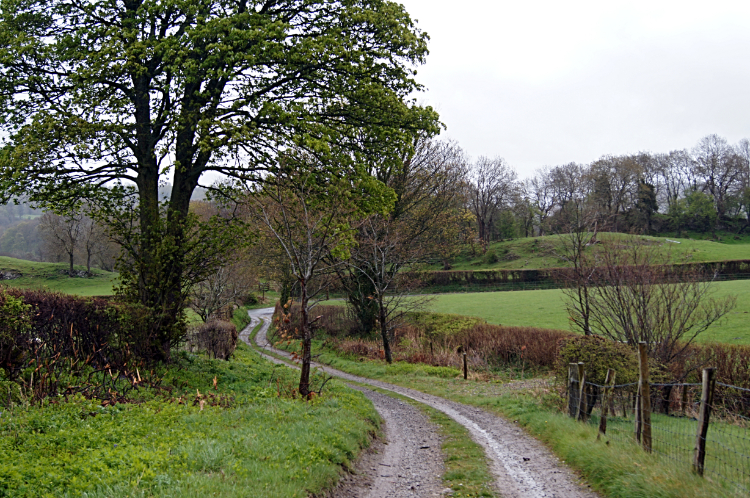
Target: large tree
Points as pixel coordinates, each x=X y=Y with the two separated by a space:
x=125 y=94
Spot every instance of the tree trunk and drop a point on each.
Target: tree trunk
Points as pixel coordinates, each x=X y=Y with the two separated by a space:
x=88 y=262
x=304 y=378
x=70 y=271
x=384 y=332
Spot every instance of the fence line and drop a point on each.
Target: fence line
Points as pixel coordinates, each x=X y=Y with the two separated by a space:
x=703 y=428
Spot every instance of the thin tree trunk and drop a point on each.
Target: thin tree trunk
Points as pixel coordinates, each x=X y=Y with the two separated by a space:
x=70 y=271
x=304 y=378
x=384 y=332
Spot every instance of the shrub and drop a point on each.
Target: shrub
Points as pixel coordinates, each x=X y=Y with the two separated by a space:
x=217 y=338
x=500 y=345
x=598 y=354
x=10 y=394
x=334 y=321
x=491 y=257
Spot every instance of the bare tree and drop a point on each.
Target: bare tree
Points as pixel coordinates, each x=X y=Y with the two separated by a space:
x=492 y=184
x=92 y=240
x=637 y=294
x=307 y=214
x=574 y=248
x=385 y=248
x=541 y=191
x=227 y=286
x=63 y=233
x=425 y=223
x=719 y=167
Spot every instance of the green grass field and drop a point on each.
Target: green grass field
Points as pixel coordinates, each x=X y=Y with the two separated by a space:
x=546 y=309
x=541 y=252
x=52 y=276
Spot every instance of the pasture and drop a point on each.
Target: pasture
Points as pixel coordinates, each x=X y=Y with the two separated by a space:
x=54 y=277
x=543 y=252
x=546 y=309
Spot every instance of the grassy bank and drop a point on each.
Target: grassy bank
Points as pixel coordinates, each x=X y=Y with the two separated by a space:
x=188 y=437
x=54 y=277
x=546 y=309
x=542 y=252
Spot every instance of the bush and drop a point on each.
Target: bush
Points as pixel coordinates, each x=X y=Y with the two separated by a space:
x=598 y=354
x=491 y=257
x=217 y=338
x=10 y=394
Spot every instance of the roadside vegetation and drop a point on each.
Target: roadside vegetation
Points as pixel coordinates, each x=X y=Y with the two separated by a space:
x=518 y=379
x=209 y=427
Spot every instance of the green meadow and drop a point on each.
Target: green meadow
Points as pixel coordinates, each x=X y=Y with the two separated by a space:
x=543 y=252
x=546 y=309
x=54 y=277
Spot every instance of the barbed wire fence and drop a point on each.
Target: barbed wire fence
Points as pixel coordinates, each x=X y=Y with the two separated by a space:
x=702 y=427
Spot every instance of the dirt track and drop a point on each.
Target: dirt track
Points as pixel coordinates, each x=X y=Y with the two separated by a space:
x=522 y=466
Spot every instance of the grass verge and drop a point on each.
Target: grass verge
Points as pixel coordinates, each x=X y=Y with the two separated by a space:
x=243 y=440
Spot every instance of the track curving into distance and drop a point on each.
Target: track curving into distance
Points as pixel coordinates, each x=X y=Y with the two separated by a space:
x=521 y=465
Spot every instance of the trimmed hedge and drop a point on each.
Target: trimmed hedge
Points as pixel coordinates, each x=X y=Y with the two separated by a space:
x=69 y=344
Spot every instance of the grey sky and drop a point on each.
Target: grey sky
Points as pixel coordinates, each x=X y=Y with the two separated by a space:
x=550 y=82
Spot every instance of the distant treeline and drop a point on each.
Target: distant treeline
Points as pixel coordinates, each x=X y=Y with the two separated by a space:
x=702 y=189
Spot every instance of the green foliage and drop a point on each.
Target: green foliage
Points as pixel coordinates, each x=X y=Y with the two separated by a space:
x=135 y=93
x=15 y=316
x=598 y=355
x=695 y=211
x=244 y=441
x=491 y=257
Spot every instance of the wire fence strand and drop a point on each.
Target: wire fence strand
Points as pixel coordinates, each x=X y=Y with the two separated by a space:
x=674 y=421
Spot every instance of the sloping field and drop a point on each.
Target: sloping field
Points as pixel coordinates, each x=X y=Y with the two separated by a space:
x=542 y=252
x=546 y=309
x=53 y=276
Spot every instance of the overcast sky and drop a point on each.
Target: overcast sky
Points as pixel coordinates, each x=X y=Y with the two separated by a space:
x=550 y=82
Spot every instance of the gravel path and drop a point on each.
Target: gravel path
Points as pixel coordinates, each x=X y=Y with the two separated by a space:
x=522 y=466
x=406 y=463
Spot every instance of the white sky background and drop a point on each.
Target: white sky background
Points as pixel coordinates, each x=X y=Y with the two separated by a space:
x=551 y=82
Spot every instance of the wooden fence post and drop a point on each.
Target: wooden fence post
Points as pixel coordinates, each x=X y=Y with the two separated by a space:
x=645 y=399
x=609 y=383
x=572 y=390
x=466 y=368
x=707 y=399
x=582 y=402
